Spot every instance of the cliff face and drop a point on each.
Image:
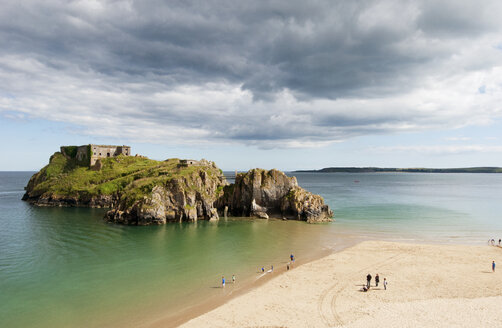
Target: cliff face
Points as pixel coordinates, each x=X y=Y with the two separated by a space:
x=141 y=191
x=306 y=206
x=184 y=198
x=133 y=186
x=266 y=188
x=53 y=186
x=262 y=193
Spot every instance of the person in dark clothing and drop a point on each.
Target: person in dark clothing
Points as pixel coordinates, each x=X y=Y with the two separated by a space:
x=368 y=280
x=377 y=280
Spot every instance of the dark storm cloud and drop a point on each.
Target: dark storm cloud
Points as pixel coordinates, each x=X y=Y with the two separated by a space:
x=265 y=71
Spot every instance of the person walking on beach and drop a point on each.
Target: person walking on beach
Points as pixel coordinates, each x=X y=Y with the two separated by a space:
x=233 y=279
x=262 y=269
x=292 y=257
x=271 y=268
x=222 y=282
x=493 y=266
x=385 y=283
x=377 y=280
x=368 y=280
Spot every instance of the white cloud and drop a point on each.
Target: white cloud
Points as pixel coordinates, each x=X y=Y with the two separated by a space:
x=458 y=138
x=241 y=74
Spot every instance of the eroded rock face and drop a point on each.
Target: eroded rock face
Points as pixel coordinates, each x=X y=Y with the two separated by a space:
x=140 y=191
x=78 y=200
x=306 y=206
x=262 y=193
x=258 y=211
x=187 y=198
x=266 y=188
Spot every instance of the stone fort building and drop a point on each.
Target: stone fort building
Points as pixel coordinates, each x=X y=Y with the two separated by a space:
x=89 y=154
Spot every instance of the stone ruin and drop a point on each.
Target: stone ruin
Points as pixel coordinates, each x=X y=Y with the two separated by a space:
x=90 y=154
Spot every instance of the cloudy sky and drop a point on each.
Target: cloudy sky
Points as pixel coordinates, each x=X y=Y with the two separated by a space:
x=284 y=84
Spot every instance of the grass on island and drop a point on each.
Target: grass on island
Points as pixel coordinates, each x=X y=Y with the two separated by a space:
x=135 y=176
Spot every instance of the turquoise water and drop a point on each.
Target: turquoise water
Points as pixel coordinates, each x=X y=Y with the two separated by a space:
x=459 y=208
x=65 y=267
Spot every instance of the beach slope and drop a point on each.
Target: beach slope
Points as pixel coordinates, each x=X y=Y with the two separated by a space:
x=428 y=286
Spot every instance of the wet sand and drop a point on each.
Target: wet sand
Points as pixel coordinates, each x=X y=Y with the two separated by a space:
x=230 y=292
x=428 y=286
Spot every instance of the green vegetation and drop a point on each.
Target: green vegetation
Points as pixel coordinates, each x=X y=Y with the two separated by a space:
x=70 y=151
x=291 y=194
x=89 y=155
x=134 y=176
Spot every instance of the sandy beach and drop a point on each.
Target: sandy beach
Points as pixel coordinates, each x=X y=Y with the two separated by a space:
x=428 y=286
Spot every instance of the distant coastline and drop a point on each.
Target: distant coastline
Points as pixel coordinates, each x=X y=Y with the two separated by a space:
x=408 y=170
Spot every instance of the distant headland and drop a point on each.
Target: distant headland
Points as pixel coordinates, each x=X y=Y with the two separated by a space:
x=486 y=169
x=142 y=191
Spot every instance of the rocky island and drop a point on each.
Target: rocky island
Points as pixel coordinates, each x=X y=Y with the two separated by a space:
x=142 y=191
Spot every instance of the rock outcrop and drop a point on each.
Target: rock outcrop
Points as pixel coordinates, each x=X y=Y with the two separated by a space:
x=77 y=200
x=262 y=193
x=48 y=187
x=141 y=191
x=305 y=206
x=185 y=198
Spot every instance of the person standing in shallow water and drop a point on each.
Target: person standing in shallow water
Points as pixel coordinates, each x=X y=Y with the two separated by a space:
x=377 y=280
x=222 y=282
x=493 y=266
x=368 y=280
x=233 y=279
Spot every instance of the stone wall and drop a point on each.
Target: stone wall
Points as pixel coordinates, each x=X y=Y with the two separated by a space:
x=104 y=151
x=78 y=153
x=189 y=162
x=88 y=154
x=83 y=153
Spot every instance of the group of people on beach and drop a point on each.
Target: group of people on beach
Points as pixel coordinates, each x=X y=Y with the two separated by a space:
x=288 y=266
x=291 y=262
x=492 y=242
x=223 y=280
x=377 y=281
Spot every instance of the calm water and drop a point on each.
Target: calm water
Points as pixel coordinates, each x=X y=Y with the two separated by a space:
x=65 y=267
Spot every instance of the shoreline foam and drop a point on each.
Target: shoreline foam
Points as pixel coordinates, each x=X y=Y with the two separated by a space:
x=434 y=285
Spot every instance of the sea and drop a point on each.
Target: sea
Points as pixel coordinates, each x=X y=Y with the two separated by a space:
x=66 y=267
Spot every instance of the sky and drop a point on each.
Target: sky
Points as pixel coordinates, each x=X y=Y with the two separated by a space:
x=271 y=84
